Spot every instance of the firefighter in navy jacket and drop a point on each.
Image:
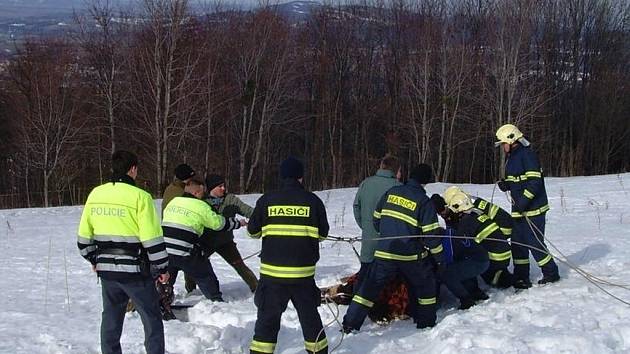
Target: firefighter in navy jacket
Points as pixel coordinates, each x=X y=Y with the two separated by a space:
x=291 y=223
x=493 y=211
x=403 y=210
x=474 y=223
x=465 y=259
x=525 y=181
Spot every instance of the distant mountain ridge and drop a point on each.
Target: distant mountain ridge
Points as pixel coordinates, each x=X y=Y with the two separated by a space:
x=294 y=11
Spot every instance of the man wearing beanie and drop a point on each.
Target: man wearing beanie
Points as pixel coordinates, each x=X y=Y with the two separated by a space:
x=291 y=222
x=403 y=210
x=222 y=242
x=183 y=174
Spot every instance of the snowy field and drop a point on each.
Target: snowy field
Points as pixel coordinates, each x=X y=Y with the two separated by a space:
x=51 y=301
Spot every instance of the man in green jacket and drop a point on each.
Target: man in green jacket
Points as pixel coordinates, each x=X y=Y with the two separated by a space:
x=183 y=174
x=368 y=195
x=222 y=242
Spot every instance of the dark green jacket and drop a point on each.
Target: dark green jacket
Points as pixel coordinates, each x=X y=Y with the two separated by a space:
x=228 y=206
x=175 y=189
x=369 y=193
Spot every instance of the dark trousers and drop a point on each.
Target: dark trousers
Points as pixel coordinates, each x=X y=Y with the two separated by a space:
x=115 y=297
x=271 y=299
x=200 y=270
x=365 y=267
x=418 y=274
x=458 y=275
x=523 y=233
x=497 y=274
x=232 y=256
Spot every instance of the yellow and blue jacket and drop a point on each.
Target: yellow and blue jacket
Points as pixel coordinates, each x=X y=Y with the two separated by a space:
x=291 y=223
x=118 y=226
x=526 y=182
x=403 y=211
x=184 y=221
x=496 y=214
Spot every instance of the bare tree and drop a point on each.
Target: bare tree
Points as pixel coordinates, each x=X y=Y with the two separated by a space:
x=46 y=83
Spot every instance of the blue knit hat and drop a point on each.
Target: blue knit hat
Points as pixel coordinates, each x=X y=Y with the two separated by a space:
x=291 y=168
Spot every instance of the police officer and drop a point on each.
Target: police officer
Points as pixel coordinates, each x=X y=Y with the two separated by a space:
x=119 y=231
x=403 y=210
x=183 y=223
x=474 y=223
x=525 y=181
x=291 y=223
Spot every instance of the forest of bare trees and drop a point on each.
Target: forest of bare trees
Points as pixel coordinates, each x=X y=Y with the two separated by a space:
x=234 y=92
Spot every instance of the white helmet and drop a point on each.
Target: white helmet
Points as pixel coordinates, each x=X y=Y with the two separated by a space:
x=460 y=202
x=508 y=134
x=450 y=192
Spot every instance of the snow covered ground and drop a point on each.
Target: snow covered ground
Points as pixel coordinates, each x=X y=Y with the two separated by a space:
x=51 y=300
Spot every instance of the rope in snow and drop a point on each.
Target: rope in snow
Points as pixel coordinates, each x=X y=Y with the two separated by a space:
x=598 y=282
x=565 y=260
x=335 y=313
x=252 y=255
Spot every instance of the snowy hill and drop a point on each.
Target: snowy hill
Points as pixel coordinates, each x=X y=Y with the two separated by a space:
x=589 y=222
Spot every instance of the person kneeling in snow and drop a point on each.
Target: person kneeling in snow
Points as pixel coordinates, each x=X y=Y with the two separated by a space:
x=465 y=260
x=475 y=224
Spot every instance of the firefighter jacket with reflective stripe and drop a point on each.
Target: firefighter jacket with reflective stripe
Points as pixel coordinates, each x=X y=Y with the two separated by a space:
x=496 y=214
x=184 y=220
x=526 y=182
x=402 y=211
x=291 y=222
x=486 y=233
x=118 y=223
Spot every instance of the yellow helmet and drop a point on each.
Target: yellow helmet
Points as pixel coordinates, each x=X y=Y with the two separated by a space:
x=450 y=192
x=460 y=202
x=508 y=134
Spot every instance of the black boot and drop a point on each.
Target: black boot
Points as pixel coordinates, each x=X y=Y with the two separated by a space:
x=479 y=294
x=522 y=284
x=549 y=279
x=465 y=303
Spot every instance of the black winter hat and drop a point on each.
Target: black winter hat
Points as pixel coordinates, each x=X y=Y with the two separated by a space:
x=438 y=203
x=184 y=172
x=422 y=173
x=291 y=168
x=213 y=181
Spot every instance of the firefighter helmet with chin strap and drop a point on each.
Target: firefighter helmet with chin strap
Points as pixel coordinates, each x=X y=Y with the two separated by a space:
x=460 y=202
x=450 y=192
x=508 y=134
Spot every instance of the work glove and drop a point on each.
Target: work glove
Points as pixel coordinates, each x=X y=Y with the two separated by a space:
x=438 y=203
x=503 y=185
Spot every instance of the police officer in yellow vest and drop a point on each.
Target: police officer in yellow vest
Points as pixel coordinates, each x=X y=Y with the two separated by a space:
x=291 y=222
x=183 y=223
x=118 y=233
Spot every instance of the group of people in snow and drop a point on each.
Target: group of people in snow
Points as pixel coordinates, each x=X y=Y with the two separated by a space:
x=403 y=247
